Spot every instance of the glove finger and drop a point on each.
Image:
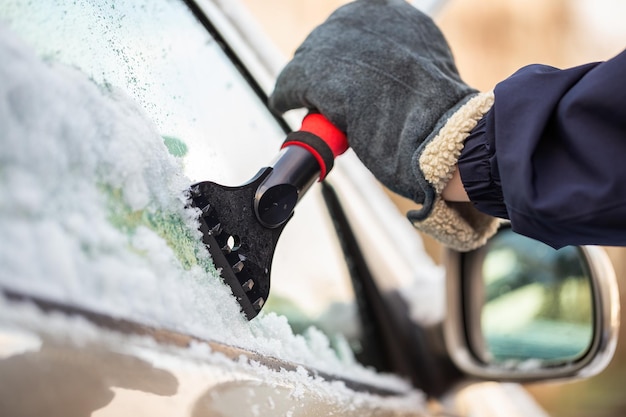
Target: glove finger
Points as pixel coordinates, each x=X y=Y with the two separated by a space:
x=314 y=83
x=290 y=89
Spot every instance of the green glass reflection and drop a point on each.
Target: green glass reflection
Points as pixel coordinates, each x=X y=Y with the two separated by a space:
x=537 y=302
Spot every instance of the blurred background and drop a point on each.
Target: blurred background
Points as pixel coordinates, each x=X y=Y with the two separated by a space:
x=490 y=40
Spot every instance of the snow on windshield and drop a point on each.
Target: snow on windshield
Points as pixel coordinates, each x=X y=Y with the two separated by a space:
x=92 y=214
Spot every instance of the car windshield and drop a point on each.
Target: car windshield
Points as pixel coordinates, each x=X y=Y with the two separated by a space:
x=123 y=105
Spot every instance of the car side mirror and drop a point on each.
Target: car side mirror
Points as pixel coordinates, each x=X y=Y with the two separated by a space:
x=522 y=311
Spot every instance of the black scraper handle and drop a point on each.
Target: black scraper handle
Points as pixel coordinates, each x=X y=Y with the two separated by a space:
x=307 y=155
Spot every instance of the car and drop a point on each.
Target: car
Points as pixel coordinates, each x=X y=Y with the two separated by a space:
x=111 y=304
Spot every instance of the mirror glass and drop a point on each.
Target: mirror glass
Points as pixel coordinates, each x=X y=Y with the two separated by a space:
x=536 y=303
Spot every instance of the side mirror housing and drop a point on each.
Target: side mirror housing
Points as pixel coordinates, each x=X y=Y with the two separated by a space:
x=521 y=311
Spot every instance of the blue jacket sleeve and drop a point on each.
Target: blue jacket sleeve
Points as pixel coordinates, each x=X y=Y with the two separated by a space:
x=550 y=155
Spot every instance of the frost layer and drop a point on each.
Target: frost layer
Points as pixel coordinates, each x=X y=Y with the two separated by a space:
x=92 y=213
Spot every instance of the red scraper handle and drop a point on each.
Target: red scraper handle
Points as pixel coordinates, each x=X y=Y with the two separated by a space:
x=321 y=138
x=308 y=155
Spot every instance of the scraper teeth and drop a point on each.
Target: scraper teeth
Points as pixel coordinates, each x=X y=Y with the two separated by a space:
x=195 y=190
x=206 y=209
x=216 y=229
x=247 y=286
x=238 y=267
x=258 y=304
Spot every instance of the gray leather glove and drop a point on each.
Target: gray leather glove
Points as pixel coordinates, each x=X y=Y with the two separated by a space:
x=382 y=72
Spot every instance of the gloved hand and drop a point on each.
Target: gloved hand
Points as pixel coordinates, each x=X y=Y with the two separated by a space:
x=382 y=72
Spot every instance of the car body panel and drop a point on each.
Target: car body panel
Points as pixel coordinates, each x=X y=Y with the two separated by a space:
x=62 y=363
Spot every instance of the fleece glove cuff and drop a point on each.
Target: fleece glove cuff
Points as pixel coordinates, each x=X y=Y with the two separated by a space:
x=459 y=226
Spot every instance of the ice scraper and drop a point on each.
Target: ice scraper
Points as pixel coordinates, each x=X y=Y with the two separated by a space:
x=241 y=225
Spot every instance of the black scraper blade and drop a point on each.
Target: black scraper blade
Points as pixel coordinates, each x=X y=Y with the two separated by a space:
x=240 y=246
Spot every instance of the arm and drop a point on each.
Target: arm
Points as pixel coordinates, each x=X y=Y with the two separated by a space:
x=550 y=155
x=454 y=189
x=382 y=72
